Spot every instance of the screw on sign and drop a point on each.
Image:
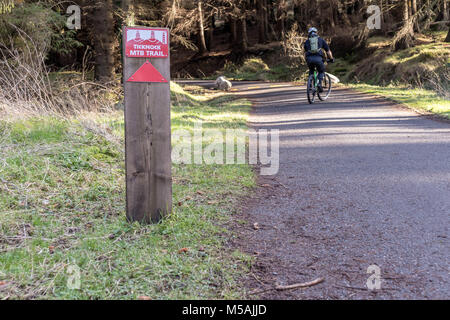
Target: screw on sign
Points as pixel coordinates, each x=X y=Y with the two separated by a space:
x=146 y=76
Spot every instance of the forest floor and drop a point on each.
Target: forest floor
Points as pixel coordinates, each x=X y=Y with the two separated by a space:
x=62 y=204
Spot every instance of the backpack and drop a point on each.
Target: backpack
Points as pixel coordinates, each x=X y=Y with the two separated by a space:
x=314 y=44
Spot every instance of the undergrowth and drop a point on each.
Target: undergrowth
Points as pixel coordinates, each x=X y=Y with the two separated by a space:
x=62 y=208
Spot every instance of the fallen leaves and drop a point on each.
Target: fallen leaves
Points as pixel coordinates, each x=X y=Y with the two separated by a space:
x=183 y=250
x=4 y=285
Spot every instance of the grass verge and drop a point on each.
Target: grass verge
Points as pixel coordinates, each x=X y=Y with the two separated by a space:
x=417 y=99
x=62 y=210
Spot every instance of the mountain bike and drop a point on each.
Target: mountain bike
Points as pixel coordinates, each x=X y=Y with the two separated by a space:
x=312 y=87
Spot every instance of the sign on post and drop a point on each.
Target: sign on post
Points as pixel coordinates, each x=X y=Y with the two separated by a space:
x=146 y=72
x=147 y=43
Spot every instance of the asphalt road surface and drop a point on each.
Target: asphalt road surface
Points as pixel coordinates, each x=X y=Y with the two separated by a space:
x=362 y=182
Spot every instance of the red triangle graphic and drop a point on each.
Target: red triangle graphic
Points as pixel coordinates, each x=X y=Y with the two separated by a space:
x=147 y=73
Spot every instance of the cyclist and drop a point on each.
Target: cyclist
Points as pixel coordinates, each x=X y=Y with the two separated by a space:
x=314 y=56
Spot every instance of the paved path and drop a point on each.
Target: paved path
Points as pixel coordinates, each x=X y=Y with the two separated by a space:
x=361 y=182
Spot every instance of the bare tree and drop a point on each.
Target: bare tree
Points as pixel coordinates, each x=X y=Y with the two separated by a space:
x=201 y=29
x=242 y=41
x=260 y=21
x=405 y=36
x=128 y=12
x=445 y=10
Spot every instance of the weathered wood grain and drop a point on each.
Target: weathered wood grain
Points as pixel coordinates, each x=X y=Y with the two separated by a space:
x=147 y=142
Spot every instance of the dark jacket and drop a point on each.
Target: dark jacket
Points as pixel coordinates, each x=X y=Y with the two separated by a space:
x=322 y=44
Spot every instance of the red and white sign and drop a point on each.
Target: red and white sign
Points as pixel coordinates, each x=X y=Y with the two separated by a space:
x=147 y=73
x=147 y=43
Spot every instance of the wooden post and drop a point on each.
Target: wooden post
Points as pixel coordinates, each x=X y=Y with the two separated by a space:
x=147 y=137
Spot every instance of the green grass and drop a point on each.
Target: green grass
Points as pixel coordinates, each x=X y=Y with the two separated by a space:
x=416 y=77
x=423 y=65
x=418 y=99
x=62 y=194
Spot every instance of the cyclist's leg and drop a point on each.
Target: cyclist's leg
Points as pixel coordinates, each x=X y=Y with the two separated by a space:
x=311 y=67
x=316 y=63
x=311 y=61
x=321 y=70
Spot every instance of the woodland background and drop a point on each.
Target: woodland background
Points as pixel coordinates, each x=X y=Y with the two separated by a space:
x=62 y=186
x=207 y=34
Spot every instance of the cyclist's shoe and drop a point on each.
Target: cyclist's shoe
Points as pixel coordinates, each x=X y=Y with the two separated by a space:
x=319 y=87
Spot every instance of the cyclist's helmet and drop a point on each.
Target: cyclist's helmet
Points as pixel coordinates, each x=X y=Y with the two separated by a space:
x=312 y=30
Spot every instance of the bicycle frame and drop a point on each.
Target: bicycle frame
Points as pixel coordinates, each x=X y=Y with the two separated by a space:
x=316 y=79
x=313 y=84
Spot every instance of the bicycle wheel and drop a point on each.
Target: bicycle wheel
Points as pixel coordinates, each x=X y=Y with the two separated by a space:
x=326 y=85
x=310 y=89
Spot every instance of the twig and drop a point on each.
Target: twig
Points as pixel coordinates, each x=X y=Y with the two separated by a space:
x=300 y=285
x=363 y=289
x=289 y=287
x=260 y=291
x=349 y=287
x=256 y=278
x=282 y=184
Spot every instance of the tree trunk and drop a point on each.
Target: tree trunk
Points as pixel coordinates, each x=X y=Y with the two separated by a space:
x=266 y=18
x=210 y=34
x=406 y=33
x=233 y=31
x=241 y=45
x=447 y=39
x=383 y=27
x=104 y=40
x=405 y=11
x=201 y=30
x=445 y=10
x=413 y=6
x=128 y=11
x=261 y=22
x=280 y=18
